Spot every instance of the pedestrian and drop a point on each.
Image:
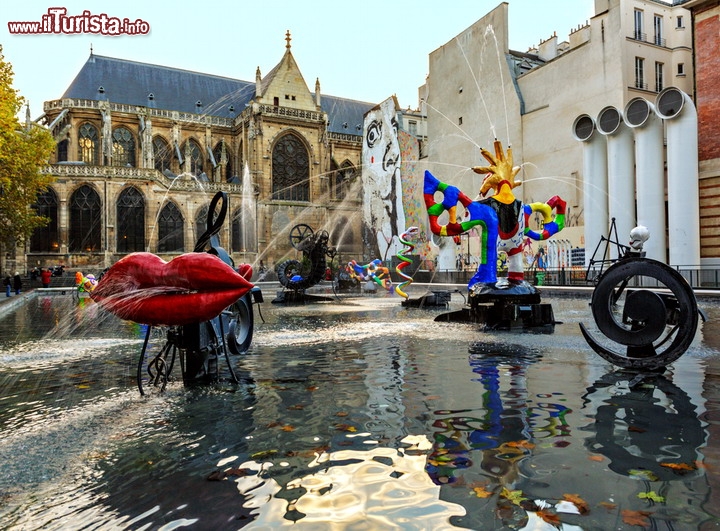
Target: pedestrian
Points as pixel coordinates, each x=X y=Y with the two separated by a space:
x=7 y=283
x=45 y=276
x=17 y=283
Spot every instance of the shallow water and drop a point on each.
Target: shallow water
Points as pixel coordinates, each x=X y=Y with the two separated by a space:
x=354 y=414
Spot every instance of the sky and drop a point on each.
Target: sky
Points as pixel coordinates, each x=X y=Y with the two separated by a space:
x=365 y=51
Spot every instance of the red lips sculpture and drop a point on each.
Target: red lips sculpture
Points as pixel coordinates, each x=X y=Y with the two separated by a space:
x=191 y=288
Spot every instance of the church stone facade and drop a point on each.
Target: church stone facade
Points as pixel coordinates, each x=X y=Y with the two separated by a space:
x=142 y=149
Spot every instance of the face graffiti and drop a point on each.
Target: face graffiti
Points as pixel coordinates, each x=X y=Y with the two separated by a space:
x=383 y=212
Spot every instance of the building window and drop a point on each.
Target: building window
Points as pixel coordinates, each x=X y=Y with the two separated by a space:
x=85 y=221
x=162 y=154
x=130 y=221
x=170 y=230
x=193 y=157
x=412 y=126
x=62 y=150
x=45 y=239
x=88 y=144
x=658 y=27
x=243 y=230
x=344 y=177
x=659 y=85
x=218 y=154
x=123 y=147
x=640 y=73
x=681 y=69
x=680 y=22
x=290 y=170
x=638 y=34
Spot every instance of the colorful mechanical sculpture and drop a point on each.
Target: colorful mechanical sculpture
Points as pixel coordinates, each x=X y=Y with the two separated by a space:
x=506 y=302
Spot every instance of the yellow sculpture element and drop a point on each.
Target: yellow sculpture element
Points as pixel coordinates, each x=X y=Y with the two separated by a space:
x=501 y=174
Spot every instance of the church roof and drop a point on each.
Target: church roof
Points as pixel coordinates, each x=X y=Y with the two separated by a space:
x=161 y=87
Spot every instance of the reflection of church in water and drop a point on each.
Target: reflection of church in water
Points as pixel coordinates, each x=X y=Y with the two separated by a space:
x=142 y=149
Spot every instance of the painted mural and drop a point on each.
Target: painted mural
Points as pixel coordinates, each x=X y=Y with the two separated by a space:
x=383 y=214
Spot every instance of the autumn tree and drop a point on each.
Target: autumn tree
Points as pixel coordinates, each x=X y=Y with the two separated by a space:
x=24 y=149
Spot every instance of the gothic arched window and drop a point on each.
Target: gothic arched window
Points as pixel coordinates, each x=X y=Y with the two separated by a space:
x=290 y=170
x=130 y=221
x=162 y=154
x=123 y=147
x=88 y=143
x=192 y=151
x=45 y=239
x=217 y=153
x=85 y=220
x=171 y=237
x=344 y=178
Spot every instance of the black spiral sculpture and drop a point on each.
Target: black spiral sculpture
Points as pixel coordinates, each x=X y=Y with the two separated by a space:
x=645 y=307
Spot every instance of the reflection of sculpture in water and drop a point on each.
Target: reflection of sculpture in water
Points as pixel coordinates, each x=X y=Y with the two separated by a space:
x=383 y=215
x=498 y=438
x=646 y=426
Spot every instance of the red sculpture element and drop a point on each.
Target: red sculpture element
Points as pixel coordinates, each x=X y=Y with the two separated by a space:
x=191 y=288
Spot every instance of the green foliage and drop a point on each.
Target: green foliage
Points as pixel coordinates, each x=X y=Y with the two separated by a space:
x=23 y=151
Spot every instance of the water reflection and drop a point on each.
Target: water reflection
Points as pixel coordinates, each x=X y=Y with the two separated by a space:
x=646 y=426
x=357 y=414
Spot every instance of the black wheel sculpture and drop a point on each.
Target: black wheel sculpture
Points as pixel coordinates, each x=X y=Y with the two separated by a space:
x=299 y=233
x=656 y=324
x=242 y=323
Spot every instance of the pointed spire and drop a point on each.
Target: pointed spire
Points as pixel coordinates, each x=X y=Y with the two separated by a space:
x=258 y=83
x=317 y=91
x=287 y=39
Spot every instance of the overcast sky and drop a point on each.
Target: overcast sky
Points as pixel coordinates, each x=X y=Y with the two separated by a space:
x=365 y=50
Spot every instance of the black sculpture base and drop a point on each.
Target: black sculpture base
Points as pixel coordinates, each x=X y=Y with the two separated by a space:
x=432 y=298
x=298 y=297
x=514 y=305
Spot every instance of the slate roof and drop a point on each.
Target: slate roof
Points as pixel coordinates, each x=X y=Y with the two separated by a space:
x=131 y=82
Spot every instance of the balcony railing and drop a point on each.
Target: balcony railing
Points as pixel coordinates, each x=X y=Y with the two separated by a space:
x=181 y=182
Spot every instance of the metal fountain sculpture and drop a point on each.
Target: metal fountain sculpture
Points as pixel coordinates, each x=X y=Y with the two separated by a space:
x=296 y=276
x=499 y=303
x=639 y=304
x=202 y=299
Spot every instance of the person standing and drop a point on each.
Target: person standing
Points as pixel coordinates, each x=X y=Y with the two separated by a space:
x=45 y=276
x=7 y=283
x=17 y=283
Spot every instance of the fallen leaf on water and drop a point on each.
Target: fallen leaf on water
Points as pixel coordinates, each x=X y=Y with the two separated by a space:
x=312 y=388
x=652 y=495
x=644 y=474
x=581 y=504
x=482 y=492
x=345 y=427
x=549 y=517
x=681 y=467
x=288 y=427
x=521 y=444
x=263 y=454
x=514 y=496
x=296 y=407
x=341 y=414
x=636 y=517
x=596 y=458
x=609 y=506
x=239 y=472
